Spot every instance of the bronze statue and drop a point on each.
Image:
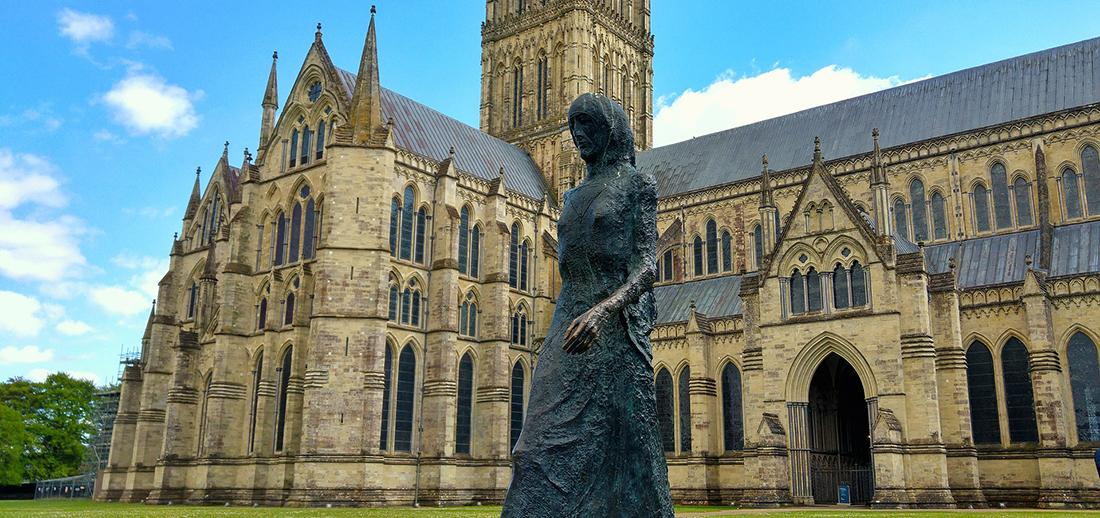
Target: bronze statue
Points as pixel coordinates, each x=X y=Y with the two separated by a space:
x=590 y=445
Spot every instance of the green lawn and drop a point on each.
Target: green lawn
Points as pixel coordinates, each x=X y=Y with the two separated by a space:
x=67 y=508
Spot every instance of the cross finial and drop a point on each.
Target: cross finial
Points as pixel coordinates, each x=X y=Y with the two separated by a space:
x=501 y=172
x=373 y=10
x=451 y=152
x=874 y=134
x=318 y=34
x=198 y=171
x=817 y=144
x=274 y=55
x=175 y=236
x=1027 y=260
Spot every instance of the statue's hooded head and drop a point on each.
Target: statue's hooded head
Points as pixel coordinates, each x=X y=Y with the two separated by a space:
x=601 y=130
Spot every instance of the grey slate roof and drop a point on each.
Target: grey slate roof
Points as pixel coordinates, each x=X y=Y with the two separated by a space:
x=1017 y=88
x=715 y=297
x=427 y=132
x=994 y=260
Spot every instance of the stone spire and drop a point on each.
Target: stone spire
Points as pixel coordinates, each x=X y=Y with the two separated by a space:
x=817 y=151
x=766 y=198
x=880 y=192
x=269 y=104
x=193 y=202
x=366 y=102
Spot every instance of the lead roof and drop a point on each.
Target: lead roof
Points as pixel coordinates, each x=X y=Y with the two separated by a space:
x=1043 y=82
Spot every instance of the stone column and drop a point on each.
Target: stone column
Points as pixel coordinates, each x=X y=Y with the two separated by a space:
x=113 y=481
x=951 y=381
x=149 y=430
x=926 y=475
x=1056 y=469
x=182 y=422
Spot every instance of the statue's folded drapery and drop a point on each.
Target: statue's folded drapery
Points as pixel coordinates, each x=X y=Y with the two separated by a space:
x=590 y=445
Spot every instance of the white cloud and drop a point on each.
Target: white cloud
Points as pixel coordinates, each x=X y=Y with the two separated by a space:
x=150 y=212
x=152 y=270
x=152 y=41
x=28 y=354
x=84 y=28
x=37 y=247
x=40 y=375
x=73 y=328
x=146 y=104
x=19 y=314
x=106 y=136
x=119 y=300
x=732 y=101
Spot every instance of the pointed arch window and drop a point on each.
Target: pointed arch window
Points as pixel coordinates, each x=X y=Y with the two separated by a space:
x=982 y=389
x=712 y=247
x=403 y=417
x=727 y=252
x=664 y=269
x=261 y=320
x=841 y=297
x=467 y=316
x=280 y=239
x=920 y=210
x=524 y=257
x=283 y=374
x=519 y=326
x=475 y=251
x=410 y=304
x=1084 y=379
x=288 y=318
x=813 y=290
x=516 y=421
x=407 y=223
x=1071 y=191
x=387 y=391
x=1019 y=399
x=857 y=280
x=1090 y=169
x=1002 y=209
x=421 y=223
x=697 y=253
x=758 y=244
x=901 y=222
x=295 y=232
x=464 y=240
x=394 y=299
x=981 y=208
x=307 y=139
x=308 y=233
x=733 y=428
x=320 y=139
x=192 y=299
x=517 y=96
x=684 y=397
x=463 y=418
x=939 y=216
x=293 y=148
x=1021 y=192
x=543 y=90
x=395 y=217
x=253 y=418
x=798 y=292
x=665 y=403
x=513 y=257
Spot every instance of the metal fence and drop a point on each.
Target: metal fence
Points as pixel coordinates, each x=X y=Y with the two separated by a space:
x=80 y=486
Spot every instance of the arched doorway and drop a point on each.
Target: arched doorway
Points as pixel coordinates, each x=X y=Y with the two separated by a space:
x=839 y=433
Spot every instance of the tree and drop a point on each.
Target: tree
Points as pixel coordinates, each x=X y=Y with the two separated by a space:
x=58 y=422
x=11 y=447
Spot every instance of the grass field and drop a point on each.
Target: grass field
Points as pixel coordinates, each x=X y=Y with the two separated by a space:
x=79 y=508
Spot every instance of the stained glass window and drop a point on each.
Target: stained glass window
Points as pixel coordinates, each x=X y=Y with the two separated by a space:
x=1021 y=191
x=684 y=395
x=727 y=252
x=407 y=223
x=840 y=287
x=664 y=410
x=1019 y=400
x=712 y=247
x=516 y=421
x=1072 y=190
x=920 y=213
x=465 y=404
x=1090 y=168
x=984 y=421
x=939 y=216
x=403 y=417
x=733 y=428
x=1001 y=204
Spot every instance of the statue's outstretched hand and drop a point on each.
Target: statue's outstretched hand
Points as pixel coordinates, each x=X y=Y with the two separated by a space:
x=584 y=330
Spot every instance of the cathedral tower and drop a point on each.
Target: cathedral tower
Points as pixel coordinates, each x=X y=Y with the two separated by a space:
x=539 y=55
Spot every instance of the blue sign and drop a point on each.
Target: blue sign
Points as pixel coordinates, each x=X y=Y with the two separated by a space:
x=843 y=495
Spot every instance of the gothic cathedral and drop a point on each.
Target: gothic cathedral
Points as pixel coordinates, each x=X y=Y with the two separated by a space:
x=895 y=294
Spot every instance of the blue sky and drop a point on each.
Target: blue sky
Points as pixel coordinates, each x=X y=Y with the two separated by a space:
x=108 y=107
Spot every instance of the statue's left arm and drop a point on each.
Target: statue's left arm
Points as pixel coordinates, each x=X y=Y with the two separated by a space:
x=641 y=269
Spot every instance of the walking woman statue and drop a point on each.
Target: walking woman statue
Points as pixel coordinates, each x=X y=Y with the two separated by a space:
x=590 y=445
